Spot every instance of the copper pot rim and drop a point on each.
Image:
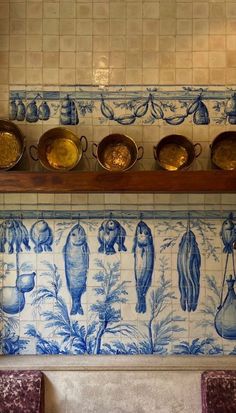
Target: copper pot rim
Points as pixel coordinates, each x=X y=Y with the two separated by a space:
x=7 y=125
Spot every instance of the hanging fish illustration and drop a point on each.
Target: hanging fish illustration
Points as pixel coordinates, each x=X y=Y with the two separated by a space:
x=188 y=266
x=111 y=233
x=76 y=256
x=32 y=112
x=12 y=110
x=143 y=251
x=20 y=116
x=225 y=319
x=41 y=235
x=44 y=111
x=22 y=233
x=228 y=234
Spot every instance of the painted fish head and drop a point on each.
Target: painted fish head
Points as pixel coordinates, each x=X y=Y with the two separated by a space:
x=143 y=234
x=77 y=235
x=9 y=223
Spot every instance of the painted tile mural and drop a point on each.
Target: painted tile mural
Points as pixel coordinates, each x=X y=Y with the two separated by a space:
x=118 y=282
x=124 y=105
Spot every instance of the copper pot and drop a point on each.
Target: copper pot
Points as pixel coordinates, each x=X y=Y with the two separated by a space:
x=175 y=152
x=12 y=145
x=117 y=152
x=223 y=151
x=59 y=149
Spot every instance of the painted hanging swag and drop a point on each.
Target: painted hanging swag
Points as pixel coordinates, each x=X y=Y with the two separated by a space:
x=188 y=266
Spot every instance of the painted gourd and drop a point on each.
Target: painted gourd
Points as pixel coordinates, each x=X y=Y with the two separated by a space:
x=12 y=110
x=201 y=116
x=69 y=114
x=20 y=116
x=25 y=282
x=32 y=112
x=44 y=111
x=225 y=319
x=13 y=301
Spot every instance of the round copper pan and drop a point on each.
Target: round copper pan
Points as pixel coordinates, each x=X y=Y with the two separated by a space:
x=12 y=145
x=175 y=152
x=117 y=152
x=59 y=149
x=223 y=150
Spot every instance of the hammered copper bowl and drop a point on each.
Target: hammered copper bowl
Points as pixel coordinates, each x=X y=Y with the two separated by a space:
x=175 y=152
x=12 y=145
x=117 y=152
x=59 y=149
x=223 y=151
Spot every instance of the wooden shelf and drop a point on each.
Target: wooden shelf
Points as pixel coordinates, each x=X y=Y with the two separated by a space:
x=132 y=181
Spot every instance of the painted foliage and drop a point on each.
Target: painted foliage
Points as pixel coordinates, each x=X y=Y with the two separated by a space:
x=128 y=283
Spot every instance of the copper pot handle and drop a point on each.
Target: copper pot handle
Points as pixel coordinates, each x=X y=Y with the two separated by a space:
x=83 y=138
x=142 y=152
x=199 y=150
x=35 y=148
x=155 y=152
x=94 y=145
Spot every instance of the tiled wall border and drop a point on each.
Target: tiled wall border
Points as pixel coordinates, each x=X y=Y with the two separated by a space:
x=123 y=105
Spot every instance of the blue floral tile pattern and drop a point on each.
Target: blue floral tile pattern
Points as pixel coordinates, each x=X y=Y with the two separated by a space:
x=118 y=282
x=124 y=105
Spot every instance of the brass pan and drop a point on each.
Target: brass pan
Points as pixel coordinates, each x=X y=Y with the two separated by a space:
x=59 y=149
x=117 y=152
x=175 y=152
x=223 y=151
x=12 y=145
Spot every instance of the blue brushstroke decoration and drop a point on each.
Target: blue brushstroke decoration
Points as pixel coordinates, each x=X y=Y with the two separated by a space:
x=76 y=256
x=143 y=250
x=110 y=233
x=42 y=236
x=188 y=266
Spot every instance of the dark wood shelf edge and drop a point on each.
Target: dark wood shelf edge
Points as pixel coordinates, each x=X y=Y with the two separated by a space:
x=214 y=181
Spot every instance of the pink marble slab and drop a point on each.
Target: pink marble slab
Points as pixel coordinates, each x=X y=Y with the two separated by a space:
x=21 y=391
x=218 y=391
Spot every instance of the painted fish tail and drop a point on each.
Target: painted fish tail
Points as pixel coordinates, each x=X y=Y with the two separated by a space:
x=76 y=307
x=228 y=249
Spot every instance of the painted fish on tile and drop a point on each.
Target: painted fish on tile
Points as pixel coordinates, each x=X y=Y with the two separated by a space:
x=188 y=266
x=110 y=233
x=228 y=234
x=41 y=235
x=76 y=257
x=143 y=250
